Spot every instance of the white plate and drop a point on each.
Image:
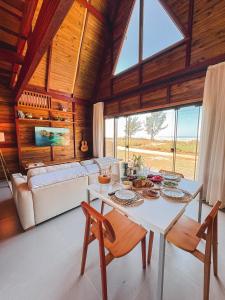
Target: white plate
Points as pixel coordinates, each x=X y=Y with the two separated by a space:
x=125 y=195
x=173 y=193
x=171 y=177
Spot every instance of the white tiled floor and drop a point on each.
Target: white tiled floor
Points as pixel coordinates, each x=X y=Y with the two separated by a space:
x=44 y=264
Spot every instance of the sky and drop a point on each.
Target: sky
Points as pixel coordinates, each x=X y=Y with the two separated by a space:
x=187 y=124
x=159 y=32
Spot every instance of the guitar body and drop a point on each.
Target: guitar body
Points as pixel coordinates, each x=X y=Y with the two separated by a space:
x=84 y=146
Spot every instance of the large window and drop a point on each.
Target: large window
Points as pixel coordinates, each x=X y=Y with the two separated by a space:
x=166 y=139
x=158 y=32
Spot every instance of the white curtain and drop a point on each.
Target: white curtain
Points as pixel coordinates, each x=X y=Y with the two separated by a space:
x=212 y=145
x=98 y=129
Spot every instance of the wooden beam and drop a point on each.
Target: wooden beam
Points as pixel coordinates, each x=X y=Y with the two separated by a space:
x=25 y=29
x=11 y=57
x=93 y=11
x=49 y=64
x=14 y=13
x=50 y=18
x=7 y=46
x=84 y=26
x=9 y=31
x=18 y=4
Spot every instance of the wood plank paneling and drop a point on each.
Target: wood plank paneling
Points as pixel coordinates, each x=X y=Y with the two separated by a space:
x=65 y=50
x=83 y=126
x=126 y=81
x=188 y=91
x=208 y=38
x=7 y=125
x=111 y=108
x=165 y=64
x=155 y=97
x=91 y=52
x=130 y=104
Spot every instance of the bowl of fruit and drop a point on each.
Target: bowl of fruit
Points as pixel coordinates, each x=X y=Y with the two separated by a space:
x=156 y=178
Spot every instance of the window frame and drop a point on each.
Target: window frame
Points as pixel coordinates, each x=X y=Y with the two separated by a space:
x=142 y=61
x=176 y=108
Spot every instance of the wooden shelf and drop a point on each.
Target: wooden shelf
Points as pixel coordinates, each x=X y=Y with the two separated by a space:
x=44 y=109
x=49 y=121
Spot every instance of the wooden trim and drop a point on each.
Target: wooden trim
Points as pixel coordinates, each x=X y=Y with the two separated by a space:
x=74 y=129
x=50 y=92
x=173 y=17
x=49 y=20
x=140 y=42
x=49 y=63
x=84 y=27
x=11 y=56
x=190 y=26
x=97 y=14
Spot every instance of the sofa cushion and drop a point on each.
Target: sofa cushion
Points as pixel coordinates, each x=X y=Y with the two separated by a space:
x=87 y=162
x=57 y=176
x=92 y=169
x=42 y=170
x=105 y=162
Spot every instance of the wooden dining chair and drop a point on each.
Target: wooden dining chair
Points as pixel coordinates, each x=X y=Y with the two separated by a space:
x=186 y=234
x=171 y=173
x=116 y=233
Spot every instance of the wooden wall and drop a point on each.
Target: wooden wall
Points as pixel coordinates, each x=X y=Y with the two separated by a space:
x=174 y=76
x=67 y=72
x=7 y=125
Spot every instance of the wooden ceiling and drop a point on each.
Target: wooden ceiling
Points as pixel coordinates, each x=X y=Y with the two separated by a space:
x=66 y=61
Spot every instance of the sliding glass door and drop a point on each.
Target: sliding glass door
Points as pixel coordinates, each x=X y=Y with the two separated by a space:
x=166 y=139
x=187 y=140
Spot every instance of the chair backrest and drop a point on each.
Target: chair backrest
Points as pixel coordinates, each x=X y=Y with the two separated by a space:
x=103 y=225
x=208 y=222
x=171 y=172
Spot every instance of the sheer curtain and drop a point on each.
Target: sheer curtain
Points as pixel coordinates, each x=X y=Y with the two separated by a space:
x=212 y=145
x=98 y=129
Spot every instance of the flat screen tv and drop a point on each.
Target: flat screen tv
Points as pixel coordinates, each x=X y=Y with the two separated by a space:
x=49 y=136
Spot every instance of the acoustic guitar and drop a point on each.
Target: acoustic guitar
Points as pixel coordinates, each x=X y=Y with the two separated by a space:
x=84 y=145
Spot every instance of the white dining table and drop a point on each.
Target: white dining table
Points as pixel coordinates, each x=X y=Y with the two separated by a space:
x=157 y=215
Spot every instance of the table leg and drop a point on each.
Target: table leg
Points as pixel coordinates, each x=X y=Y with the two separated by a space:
x=162 y=248
x=200 y=207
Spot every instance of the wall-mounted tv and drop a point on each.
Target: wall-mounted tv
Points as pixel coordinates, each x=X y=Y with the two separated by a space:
x=49 y=136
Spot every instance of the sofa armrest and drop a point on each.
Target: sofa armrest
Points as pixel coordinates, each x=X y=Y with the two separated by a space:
x=25 y=207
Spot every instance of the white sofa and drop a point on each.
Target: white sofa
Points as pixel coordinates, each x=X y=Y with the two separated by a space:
x=49 y=191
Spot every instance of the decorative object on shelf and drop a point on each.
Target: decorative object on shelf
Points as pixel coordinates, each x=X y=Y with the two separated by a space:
x=62 y=107
x=33 y=99
x=84 y=144
x=3 y=162
x=28 y=115
x=20 y=114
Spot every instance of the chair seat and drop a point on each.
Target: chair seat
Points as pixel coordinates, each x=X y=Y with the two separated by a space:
x=128 y=234
x=183 y=234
